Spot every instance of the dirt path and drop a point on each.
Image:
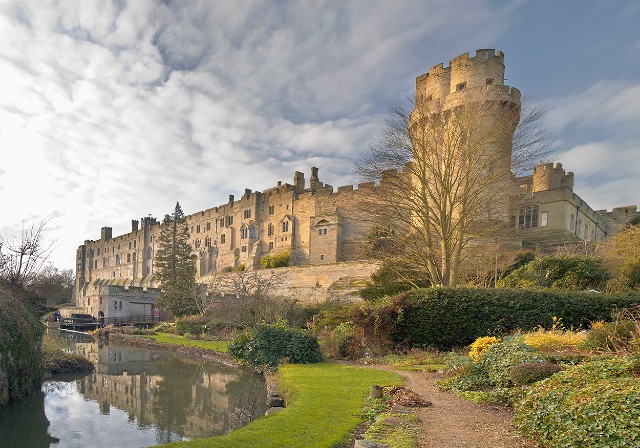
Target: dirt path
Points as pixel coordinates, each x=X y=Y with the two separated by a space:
x=453 y=422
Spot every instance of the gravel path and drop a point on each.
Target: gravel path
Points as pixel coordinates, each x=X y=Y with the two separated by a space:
x=453 y=422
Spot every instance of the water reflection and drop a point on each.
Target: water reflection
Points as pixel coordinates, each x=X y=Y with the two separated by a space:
x=134 y=398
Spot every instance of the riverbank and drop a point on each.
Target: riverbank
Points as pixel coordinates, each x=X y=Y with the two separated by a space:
x=185 y=347
x=324 y=400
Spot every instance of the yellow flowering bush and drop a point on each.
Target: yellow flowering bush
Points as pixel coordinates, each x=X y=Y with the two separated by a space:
x=480 y=345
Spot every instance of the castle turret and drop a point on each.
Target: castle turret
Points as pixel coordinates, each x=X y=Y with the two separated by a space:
x=548 y=176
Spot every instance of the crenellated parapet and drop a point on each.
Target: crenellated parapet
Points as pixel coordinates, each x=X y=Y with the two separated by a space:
x=466 y=75
x=549 y=176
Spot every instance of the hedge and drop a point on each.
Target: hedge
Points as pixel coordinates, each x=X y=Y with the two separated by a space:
x=446 y=318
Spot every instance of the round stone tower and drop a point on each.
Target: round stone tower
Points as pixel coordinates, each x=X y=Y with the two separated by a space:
x=475 y=84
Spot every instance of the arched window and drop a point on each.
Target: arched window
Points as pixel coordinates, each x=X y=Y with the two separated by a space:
x=252 y=232
x=207 y=241
x=128 y=258
x=105 y=262
x=244 y=232
x=270 y=230
x=285 y=226
x=198 y=243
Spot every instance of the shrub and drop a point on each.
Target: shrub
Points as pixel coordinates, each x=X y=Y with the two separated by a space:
x=480 y=345
x=611 y=336
x=444 y=318
x=471 y=379
x=454 y=361
x=389 y=280
x=498 y=359
x=573 y=273
x=191 y=325
x=594 y=404
x=267 y=345
x=532 y=372
x=20 y=344
x=555 y=339
x=279 y=260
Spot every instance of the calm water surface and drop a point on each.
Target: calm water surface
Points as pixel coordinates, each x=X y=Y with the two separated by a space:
x=134 y=398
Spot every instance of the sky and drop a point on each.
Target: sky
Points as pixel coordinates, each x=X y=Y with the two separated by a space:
x=115 y=110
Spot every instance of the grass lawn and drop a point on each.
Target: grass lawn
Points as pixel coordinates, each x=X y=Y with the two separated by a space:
x=168 y=338
x=324 y=402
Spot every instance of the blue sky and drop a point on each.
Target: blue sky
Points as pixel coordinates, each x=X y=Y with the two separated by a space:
x=113 y=110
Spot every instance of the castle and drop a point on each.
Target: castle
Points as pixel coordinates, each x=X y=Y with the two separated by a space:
x=321 y=226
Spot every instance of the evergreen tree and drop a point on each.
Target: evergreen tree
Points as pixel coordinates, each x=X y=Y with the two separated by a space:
x=174 y=265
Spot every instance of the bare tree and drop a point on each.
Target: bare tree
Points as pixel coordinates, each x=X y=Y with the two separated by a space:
x=246 y=295
x=445 y=179
x=22 y=258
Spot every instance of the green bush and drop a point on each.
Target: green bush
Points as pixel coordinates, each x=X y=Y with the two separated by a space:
x=471 y=379
x=267 y=345
x=20 y=344
x=192 y=325
x=532 y=372
x=276 y=260
x=594 y=404
x=611 y=336
x=573 y=273
x=389 y=280
x=444 y=318
x=498 y=360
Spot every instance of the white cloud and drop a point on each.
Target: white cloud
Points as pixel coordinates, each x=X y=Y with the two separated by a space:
x=111 y=110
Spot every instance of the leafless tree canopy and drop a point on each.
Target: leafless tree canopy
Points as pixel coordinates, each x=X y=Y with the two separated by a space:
x=445 y=179
x=21 y=258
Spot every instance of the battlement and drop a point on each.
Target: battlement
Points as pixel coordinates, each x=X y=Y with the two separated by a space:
x=549 y=176
x=482 y=73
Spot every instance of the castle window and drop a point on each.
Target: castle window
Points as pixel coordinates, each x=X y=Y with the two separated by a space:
x=128 y=258
x=207 y=241
x=322 y=231
x=191 y=229
x=229 y=220
x=198 y=228
x=321 y=257
x=573 y=223
x=285 y=226
x=252 y=232
x=489 y=81
x=197 y=243
x=98 y=251
x=461 y=86
x=270 y=245
x=134 y=244
x=243 y=248
x=544 y=218
x=270 y=230
x=148 y=253
x=223 y=238
x=129 y=245
x=272 y=209
x=244 y=232
x=528 y=217
x=247 y=214
x=208 y=226
x=96 y=265
x=105 y=262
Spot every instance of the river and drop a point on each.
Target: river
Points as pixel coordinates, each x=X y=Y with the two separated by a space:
x=134 y=398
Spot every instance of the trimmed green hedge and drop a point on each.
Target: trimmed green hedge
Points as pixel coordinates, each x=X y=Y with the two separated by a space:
x=446 y=318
